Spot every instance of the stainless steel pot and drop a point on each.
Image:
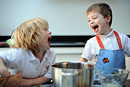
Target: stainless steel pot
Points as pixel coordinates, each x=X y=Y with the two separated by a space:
x=70 y=74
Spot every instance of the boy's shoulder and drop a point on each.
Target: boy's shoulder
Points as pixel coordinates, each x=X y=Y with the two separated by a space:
x=92 y=39
x=122 y=35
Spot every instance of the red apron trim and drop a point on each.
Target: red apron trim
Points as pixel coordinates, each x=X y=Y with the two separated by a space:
x=117 y=37
x=100 y=42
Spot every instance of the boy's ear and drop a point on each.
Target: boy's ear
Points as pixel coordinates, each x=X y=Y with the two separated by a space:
x=108 y=19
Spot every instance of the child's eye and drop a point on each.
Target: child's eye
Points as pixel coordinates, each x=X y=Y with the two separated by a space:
x=46 y=29
x=88 y=20
x=94 y=17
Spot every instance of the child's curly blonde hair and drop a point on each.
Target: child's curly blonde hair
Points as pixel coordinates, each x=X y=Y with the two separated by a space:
x=27 y=35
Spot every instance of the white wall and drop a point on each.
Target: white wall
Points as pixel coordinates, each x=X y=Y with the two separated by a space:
x=66 y=17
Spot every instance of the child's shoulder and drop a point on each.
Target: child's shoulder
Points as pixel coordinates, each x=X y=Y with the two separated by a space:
x=122 y=35
x=92 y=39
x=51 y=51
x=18 y=51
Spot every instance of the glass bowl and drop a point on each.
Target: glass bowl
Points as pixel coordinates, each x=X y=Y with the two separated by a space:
x=112 y=77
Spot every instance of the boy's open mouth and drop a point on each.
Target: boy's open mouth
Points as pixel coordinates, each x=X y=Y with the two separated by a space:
x=95 y=27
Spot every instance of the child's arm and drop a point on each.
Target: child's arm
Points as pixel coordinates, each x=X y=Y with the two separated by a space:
x=34 y=81
x=6 y=80
x=3 y=70
x=83 y=59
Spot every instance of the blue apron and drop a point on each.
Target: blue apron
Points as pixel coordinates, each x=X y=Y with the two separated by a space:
x=110 y=58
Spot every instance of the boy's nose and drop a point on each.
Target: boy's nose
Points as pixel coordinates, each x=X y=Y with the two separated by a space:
x=91 y=22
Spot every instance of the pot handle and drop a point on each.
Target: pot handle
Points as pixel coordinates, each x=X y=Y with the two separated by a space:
x=70 y=74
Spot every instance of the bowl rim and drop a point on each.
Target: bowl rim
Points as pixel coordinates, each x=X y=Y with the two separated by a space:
x=127 y=71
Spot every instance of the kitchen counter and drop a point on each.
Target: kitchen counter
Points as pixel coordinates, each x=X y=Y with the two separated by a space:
x=127 y=84
x=72 y=54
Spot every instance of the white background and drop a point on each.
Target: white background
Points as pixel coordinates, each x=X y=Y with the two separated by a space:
x=65 y=17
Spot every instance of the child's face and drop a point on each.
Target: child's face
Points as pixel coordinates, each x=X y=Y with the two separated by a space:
x=45 y=39
x=98 y=23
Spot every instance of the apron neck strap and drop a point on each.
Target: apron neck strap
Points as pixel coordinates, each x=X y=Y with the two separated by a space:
x=117 y=37
x=100 y=42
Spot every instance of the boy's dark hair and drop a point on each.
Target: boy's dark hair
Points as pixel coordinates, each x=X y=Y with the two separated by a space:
x=103 y=8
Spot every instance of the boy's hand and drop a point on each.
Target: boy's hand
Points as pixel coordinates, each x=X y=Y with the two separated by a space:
x=83 y=60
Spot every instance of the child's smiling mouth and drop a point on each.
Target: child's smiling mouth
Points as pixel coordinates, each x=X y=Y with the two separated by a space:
x=49 y=38
x=95 y=28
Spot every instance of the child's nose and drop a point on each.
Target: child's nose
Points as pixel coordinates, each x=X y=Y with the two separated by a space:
x=92 y=21
x=50 y=32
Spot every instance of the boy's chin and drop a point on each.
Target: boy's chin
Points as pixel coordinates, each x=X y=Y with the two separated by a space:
x=97 y=33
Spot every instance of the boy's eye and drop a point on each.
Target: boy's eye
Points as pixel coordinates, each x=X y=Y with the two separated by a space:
x=94 y=17
x=88 y=20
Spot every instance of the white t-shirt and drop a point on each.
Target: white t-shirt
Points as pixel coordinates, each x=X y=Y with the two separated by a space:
x=26 y=61
x=91 y=49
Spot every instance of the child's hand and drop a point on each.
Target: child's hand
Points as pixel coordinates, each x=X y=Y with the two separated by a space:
x=10 y=81
x=83 y=59
x=4 y=73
